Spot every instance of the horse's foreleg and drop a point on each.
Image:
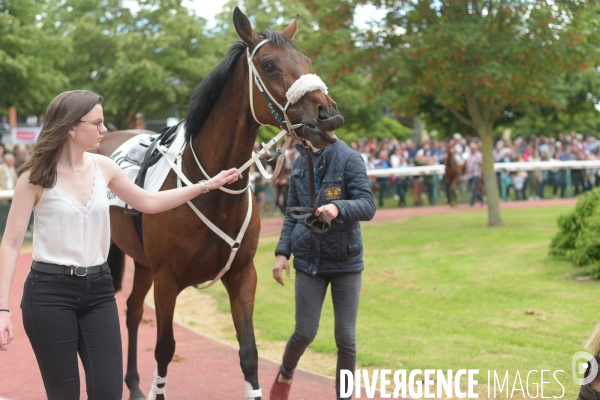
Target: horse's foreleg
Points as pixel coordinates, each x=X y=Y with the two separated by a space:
x=165 y=295
x=142 y=281
x=242 y=289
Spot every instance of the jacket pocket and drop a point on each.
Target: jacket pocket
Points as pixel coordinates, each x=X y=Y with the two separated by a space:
x=332 y=187
x=354 y=245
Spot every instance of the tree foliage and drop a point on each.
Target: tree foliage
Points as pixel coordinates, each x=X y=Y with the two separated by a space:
x=141 y=63
x=31 y=59
x=580 y=91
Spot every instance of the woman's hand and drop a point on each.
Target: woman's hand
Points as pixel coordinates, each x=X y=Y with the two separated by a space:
x=223 y=178
x=6 y=330
x=281 y=263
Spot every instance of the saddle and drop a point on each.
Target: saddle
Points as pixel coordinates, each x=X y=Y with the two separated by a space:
x=145 y=154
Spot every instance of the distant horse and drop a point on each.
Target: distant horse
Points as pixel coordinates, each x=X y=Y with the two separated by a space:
x=178 y=249
x=452 y=174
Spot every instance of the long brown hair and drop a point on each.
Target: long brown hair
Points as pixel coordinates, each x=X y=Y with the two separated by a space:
x=63 y=113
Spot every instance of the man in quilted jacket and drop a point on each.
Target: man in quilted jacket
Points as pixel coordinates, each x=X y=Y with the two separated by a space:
x=335 y=258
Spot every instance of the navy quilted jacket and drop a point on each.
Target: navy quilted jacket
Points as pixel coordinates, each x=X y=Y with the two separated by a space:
x=345 y=184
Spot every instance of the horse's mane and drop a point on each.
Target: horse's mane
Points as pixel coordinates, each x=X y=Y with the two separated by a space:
x=208 y=91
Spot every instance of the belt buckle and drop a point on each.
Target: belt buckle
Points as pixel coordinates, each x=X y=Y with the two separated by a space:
x=85 y=271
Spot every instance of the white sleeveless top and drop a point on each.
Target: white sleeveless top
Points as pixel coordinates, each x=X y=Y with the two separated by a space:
x=67 y=233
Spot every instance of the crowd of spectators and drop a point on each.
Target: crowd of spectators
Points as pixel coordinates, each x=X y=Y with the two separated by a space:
x=393 y=153
x=522 y=185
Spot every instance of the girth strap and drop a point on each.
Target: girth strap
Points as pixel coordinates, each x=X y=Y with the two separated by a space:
x=235 y=244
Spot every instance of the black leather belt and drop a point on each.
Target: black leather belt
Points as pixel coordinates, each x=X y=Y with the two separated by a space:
x=68 y=269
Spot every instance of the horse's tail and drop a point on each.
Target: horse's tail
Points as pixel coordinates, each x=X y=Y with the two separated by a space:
x=593 y=342
x=116 y=263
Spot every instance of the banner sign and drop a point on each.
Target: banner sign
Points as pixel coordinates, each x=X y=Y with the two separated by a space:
x=25 y=135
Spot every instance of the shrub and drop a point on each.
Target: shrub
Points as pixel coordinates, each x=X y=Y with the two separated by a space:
x=579 y=236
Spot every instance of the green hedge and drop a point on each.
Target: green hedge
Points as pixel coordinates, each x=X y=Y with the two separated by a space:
x=579 y=236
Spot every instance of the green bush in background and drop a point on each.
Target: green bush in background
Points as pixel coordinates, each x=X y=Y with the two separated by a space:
x=579 y=235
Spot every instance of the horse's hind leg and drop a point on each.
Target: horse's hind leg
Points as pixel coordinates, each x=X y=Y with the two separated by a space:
x=142 y=281
x=242 y=289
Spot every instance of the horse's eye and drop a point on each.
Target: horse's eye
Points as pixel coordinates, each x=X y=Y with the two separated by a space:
x=268 y=67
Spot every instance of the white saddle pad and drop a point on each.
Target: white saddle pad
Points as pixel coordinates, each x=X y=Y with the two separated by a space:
x=156 y=175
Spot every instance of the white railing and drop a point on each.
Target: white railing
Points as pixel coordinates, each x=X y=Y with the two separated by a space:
x=439 y=170
x=514 y=166
x=6 y=194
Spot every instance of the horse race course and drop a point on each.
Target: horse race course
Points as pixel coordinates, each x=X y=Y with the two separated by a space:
x=439 y=292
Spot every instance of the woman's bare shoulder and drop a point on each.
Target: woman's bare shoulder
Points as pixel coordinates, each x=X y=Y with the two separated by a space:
x=107 y=166
x=25 y=188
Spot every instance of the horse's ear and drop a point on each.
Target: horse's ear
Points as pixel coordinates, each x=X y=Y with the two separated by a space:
x=291 y=29
x=243 y=26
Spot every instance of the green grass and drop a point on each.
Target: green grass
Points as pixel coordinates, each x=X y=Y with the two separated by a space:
x=446 y=292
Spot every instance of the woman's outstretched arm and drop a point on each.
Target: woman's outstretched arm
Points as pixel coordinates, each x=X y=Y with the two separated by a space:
x=153 y=203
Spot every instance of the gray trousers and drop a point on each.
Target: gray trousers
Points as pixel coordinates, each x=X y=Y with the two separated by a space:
x=310 y=294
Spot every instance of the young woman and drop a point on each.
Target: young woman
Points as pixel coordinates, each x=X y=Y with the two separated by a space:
x=68 y=301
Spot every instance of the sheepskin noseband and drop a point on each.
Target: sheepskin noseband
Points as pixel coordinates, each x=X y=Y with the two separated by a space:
x=305 y=84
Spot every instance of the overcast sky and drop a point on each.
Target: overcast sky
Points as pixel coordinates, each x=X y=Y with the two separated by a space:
x=210 y=8
x=206 y=8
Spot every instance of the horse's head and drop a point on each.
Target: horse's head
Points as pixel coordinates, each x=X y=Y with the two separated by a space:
x=281 y=66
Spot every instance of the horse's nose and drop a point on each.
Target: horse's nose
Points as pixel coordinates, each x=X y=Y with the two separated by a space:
x=324 y=112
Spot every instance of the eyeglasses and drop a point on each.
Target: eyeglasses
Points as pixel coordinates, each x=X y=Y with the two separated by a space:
x=98 y=124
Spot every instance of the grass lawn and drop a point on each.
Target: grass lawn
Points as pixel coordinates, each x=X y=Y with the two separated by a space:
x=446 y=292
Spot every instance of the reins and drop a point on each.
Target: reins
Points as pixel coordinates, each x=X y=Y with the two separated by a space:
x=311 y=220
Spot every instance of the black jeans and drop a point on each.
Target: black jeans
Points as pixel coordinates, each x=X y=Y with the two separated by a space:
x=310 y=294
x=65 y=315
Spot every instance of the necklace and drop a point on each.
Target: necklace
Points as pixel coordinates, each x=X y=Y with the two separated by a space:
x=69 y=168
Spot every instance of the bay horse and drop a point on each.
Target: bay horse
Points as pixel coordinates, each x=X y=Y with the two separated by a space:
x=178 y=250
x=452 y=173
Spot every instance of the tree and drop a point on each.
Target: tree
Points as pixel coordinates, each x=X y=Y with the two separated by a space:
x=478 y=58
x=31 y=60
x=143 y=63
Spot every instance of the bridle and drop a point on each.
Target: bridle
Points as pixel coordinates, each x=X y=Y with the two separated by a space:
x=253 y=75
x=308 y=83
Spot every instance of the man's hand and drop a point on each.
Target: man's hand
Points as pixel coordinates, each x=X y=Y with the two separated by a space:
x=281 y=263
x=330 y=210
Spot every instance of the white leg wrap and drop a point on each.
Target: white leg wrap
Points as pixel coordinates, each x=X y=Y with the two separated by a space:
x=154 y=389
x=251 y=393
